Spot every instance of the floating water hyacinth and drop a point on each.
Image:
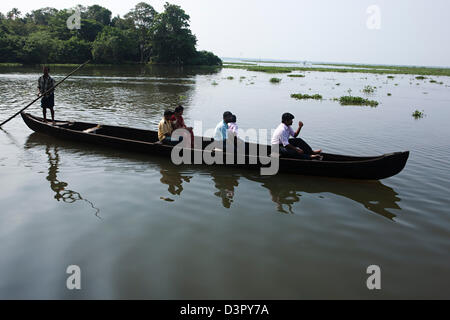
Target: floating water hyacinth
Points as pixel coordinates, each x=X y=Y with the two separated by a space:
x=300 y=96
x=357 y=101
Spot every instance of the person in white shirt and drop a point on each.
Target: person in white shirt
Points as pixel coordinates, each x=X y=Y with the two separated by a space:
x=293 y=147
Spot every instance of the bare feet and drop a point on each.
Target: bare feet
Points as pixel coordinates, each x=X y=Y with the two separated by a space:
x=317 y=157
x=318 y=151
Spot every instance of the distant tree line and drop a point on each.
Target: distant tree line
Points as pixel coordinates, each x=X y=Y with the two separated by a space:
x=142 y=36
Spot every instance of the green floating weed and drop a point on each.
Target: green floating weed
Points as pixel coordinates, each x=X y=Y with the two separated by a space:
x=214 y=83
x=300 y=96
x=369 y=89
x=270 y=69
x=391 y=77
x=230 y=78
x=357 y=101
x=389 y=94
x=418 y=114
x=296 y=75
x=421 y=78
x=275 y=80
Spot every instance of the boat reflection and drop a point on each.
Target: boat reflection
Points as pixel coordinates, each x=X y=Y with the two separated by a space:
x=285 y=190
x=62 y=193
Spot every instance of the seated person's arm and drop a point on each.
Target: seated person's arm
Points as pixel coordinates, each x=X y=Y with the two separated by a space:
x=300 y=126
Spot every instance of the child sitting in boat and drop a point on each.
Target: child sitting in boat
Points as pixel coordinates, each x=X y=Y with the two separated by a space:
x=232 y=126
x=178 y=123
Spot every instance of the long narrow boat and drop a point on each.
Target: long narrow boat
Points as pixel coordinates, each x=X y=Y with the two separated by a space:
x=122 y=138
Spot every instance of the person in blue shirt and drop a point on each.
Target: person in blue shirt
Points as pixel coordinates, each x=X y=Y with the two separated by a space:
x=221 y=133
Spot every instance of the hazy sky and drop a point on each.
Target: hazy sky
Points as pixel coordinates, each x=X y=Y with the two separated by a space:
x=411 y=32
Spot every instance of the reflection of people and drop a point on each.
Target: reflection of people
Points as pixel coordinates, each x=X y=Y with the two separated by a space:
x=45 y=83
x=283 y=197
x=225 y=183
x=55 y=185
x=374 y=196
x=59 y=187
x=174 y=180
x=296 y=147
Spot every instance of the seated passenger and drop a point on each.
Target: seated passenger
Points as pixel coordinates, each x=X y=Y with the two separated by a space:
x=178 y=123
x=221 y=131
x=296 y=147
x=177 y=119
x=165 y=129
x=232 y=126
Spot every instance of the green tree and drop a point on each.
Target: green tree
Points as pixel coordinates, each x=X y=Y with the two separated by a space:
x=89 y=29
x=205 y=58
x=38 y=46
x=123 y=24
x=173 y=41
x=114 y=45
x=58 y=25
x=143 y=17
x=99 y=14
x=74 y=50
x=13 y=14
x=10 y=48
x=41 y=16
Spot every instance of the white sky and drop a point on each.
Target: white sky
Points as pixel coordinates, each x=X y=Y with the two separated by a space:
x=412 y=32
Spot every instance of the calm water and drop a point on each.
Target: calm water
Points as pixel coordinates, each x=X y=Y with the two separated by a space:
x=140 y=227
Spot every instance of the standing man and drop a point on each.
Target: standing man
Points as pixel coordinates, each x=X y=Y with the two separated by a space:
x=45 y=83
x=296 y=147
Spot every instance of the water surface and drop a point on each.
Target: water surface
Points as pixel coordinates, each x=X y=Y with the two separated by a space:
x=140 y=227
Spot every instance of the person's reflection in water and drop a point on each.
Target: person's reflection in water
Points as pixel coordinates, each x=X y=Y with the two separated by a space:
x=373 y=195
x=225 y=183
x=59 y=187
x=174 y=179
x=282 y=197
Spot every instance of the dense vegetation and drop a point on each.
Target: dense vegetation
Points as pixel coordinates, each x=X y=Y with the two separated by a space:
x=141 y=36
x=352 y=69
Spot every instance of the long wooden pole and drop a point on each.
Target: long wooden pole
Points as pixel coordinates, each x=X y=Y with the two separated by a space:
x=49 y=90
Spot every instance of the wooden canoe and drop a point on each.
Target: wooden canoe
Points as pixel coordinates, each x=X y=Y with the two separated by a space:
x=146 y=141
